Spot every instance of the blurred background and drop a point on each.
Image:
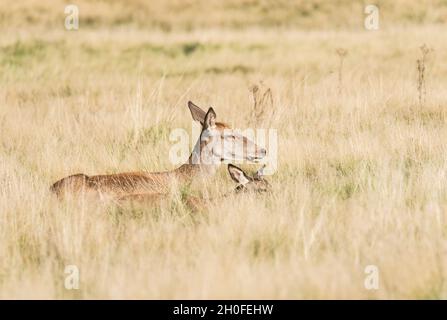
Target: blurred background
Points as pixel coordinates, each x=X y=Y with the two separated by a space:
x=177 y=15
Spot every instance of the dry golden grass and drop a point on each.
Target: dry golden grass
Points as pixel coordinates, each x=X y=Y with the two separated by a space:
x=361 y=176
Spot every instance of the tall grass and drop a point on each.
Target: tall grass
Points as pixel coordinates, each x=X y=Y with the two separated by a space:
x=421 y=67
x=360 y=181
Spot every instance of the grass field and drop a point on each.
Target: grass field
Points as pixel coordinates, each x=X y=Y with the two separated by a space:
x=362 y=161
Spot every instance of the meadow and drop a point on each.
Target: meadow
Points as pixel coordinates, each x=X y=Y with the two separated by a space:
x=362 y=156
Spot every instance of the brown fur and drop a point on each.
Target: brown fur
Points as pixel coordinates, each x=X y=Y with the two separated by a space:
x=255 y=184
x=120 y=184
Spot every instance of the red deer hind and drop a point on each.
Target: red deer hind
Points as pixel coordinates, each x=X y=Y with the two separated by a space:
x=217 y=143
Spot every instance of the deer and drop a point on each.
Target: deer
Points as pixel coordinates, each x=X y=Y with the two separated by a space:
x=217 y=143
x=245 y=184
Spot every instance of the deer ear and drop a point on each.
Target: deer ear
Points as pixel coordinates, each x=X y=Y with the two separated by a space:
x=258 y=175
x=210 y=119
x=237 y=174
x=196 y=112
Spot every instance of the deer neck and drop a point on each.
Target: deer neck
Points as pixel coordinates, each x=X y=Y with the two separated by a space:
x=200 y=162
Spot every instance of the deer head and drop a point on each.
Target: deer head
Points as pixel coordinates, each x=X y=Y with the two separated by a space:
x=218 y=142
x=256 y=183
